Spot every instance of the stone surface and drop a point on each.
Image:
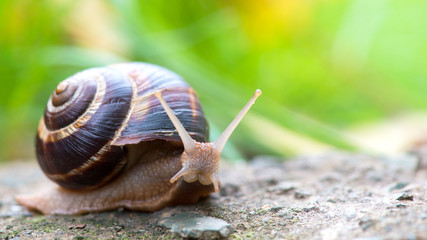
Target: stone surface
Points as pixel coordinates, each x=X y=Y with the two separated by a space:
x=346 y=196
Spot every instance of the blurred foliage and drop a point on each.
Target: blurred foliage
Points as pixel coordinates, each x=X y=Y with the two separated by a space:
x=323 y=65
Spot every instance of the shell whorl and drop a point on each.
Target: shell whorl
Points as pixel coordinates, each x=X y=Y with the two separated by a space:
x=93 y=114
x=63 y=93
x=73 y=138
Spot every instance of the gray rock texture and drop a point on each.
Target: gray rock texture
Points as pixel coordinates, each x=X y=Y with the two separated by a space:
x=333 y=196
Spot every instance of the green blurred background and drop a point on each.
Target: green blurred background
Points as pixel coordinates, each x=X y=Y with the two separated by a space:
x=324 y=66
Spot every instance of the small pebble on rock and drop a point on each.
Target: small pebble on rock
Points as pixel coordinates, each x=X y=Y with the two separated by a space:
x=405 y=197
x=309 y=208
x=350 y=213
x=193 y=225
x=275 y=209
x=285 y=214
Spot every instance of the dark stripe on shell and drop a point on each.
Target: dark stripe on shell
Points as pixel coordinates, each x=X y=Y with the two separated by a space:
x=112 y=161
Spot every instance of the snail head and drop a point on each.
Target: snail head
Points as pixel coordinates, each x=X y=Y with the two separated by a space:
x=200 y=161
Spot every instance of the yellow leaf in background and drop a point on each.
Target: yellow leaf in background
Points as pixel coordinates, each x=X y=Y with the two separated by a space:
x=269 y=22
x=14 y=22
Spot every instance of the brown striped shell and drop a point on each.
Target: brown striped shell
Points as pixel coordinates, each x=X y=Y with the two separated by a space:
x=92 y=116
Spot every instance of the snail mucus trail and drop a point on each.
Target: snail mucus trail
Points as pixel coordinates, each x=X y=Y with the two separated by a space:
x=157 y=173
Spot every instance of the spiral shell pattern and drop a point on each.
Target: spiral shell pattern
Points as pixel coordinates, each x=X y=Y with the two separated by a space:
x=92 y=116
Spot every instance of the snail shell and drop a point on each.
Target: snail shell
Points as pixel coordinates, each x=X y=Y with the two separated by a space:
x=129 y=135
x=93 y=114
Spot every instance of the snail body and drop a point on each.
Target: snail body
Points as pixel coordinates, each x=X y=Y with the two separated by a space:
x=130 y=135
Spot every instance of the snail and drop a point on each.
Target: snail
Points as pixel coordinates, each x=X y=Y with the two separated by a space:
x=129 y=135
